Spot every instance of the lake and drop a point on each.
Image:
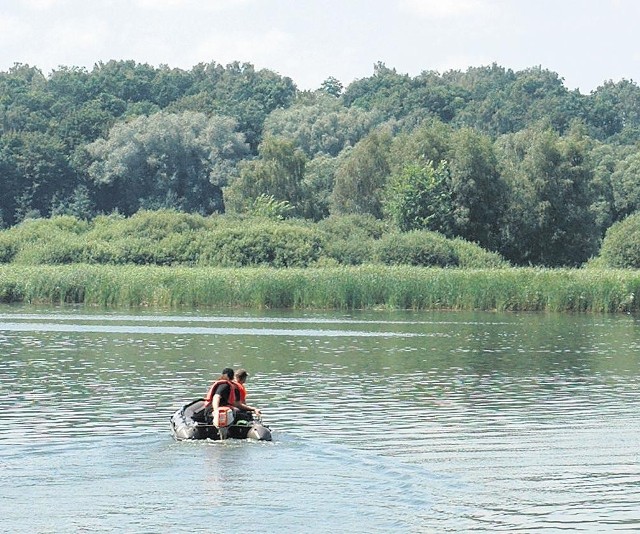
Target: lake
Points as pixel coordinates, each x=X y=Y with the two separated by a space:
x=382 y=421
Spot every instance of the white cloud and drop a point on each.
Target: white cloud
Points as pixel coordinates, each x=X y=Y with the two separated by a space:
x=195 y=5
x=444 y=8
x=462 y=62
x=262 y=50
x=41 y=5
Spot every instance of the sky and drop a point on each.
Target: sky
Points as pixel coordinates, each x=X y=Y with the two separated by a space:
x=586 y=42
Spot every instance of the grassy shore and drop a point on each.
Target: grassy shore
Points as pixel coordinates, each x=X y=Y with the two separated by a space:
x=364 y=287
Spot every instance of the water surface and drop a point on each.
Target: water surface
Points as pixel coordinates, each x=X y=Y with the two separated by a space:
x=382 y=421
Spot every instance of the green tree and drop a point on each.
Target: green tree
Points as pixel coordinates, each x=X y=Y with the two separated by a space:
x=240 y=91
x=79 y=205
x=320 y=126
x=613 y=111
x=35 y=170
x=478 y=192
x=362 y=176
x=420 y=198
x=548 y=220
x=430 y=141
x=396 y=96
x=625 y=183
x=278 y=173
x=611 y=199
x=317 y=186
x=167 y=160
x=332 y=86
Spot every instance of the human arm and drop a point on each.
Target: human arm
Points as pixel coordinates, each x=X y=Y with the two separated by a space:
x=247 y=408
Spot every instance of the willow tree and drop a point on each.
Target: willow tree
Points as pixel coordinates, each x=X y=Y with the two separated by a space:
x=167 y=160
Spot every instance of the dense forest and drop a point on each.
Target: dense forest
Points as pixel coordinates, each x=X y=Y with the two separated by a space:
x=512 y=161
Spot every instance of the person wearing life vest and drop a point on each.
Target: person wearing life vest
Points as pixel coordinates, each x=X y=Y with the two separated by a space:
x=239 y=380
x=222 y=393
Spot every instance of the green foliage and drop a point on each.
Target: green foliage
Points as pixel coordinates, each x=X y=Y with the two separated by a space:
x=472 y=256
x=171 y=238
x=351 y=239
x=166 y=160
x=416 y=248
x=278 y=173
x=478 y=192
x=332 y=86
x=467 y=202
x=548 y=218
x=317 y=186
x=430 y=141
x=259 y=243
x=360 y=226
x=322 y=126
x=625 y=185
x=536 y=171
x=361 y=177
x=270 y=208
x=614 y=111
x=35 y=169
x=240 y=91
x=621 y=244
x=80 y=204
x=420 y=198
x=424 y=248
x=8 y=247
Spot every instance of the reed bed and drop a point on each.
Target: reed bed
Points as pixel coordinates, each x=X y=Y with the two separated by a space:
x=361 y=287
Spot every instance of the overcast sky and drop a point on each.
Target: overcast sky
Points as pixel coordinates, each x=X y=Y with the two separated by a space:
x=585 y=41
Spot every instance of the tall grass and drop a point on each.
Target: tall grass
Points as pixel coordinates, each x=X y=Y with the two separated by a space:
x=359 y=287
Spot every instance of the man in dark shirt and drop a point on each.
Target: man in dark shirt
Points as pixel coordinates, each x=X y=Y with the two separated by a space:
x=221 y=394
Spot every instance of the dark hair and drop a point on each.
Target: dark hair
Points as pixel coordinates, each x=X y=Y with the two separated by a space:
x=227 y=371
x=241 y=374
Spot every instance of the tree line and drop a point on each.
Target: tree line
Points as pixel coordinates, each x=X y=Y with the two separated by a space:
x=513 y=161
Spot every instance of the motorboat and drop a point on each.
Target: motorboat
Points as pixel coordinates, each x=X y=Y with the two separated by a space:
x=193 y=422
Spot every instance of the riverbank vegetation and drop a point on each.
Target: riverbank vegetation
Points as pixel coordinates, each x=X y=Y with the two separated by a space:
x=511 y=161
x=344 y=287
x=170 y=238
x=489 y=189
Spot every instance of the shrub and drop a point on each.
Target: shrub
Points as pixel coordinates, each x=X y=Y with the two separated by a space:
x=416 y=248
x=258 y=243
x=473 y=256
x=57 y=250
x=354 y=250
x=153 y=225
x=346 y=226
x=621 y=244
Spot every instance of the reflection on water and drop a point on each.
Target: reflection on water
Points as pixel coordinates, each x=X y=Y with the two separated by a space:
x=383 y=421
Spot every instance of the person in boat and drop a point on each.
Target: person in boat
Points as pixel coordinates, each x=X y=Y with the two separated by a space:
x=239 y=380
x=221 y=393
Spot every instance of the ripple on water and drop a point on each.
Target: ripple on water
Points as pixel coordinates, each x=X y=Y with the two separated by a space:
x=502 y=423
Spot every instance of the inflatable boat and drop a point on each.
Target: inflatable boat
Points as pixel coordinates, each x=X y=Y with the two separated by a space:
x=191 y=422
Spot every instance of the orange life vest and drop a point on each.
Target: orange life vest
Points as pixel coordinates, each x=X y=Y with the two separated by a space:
x=212 y=390
x=242 y=391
